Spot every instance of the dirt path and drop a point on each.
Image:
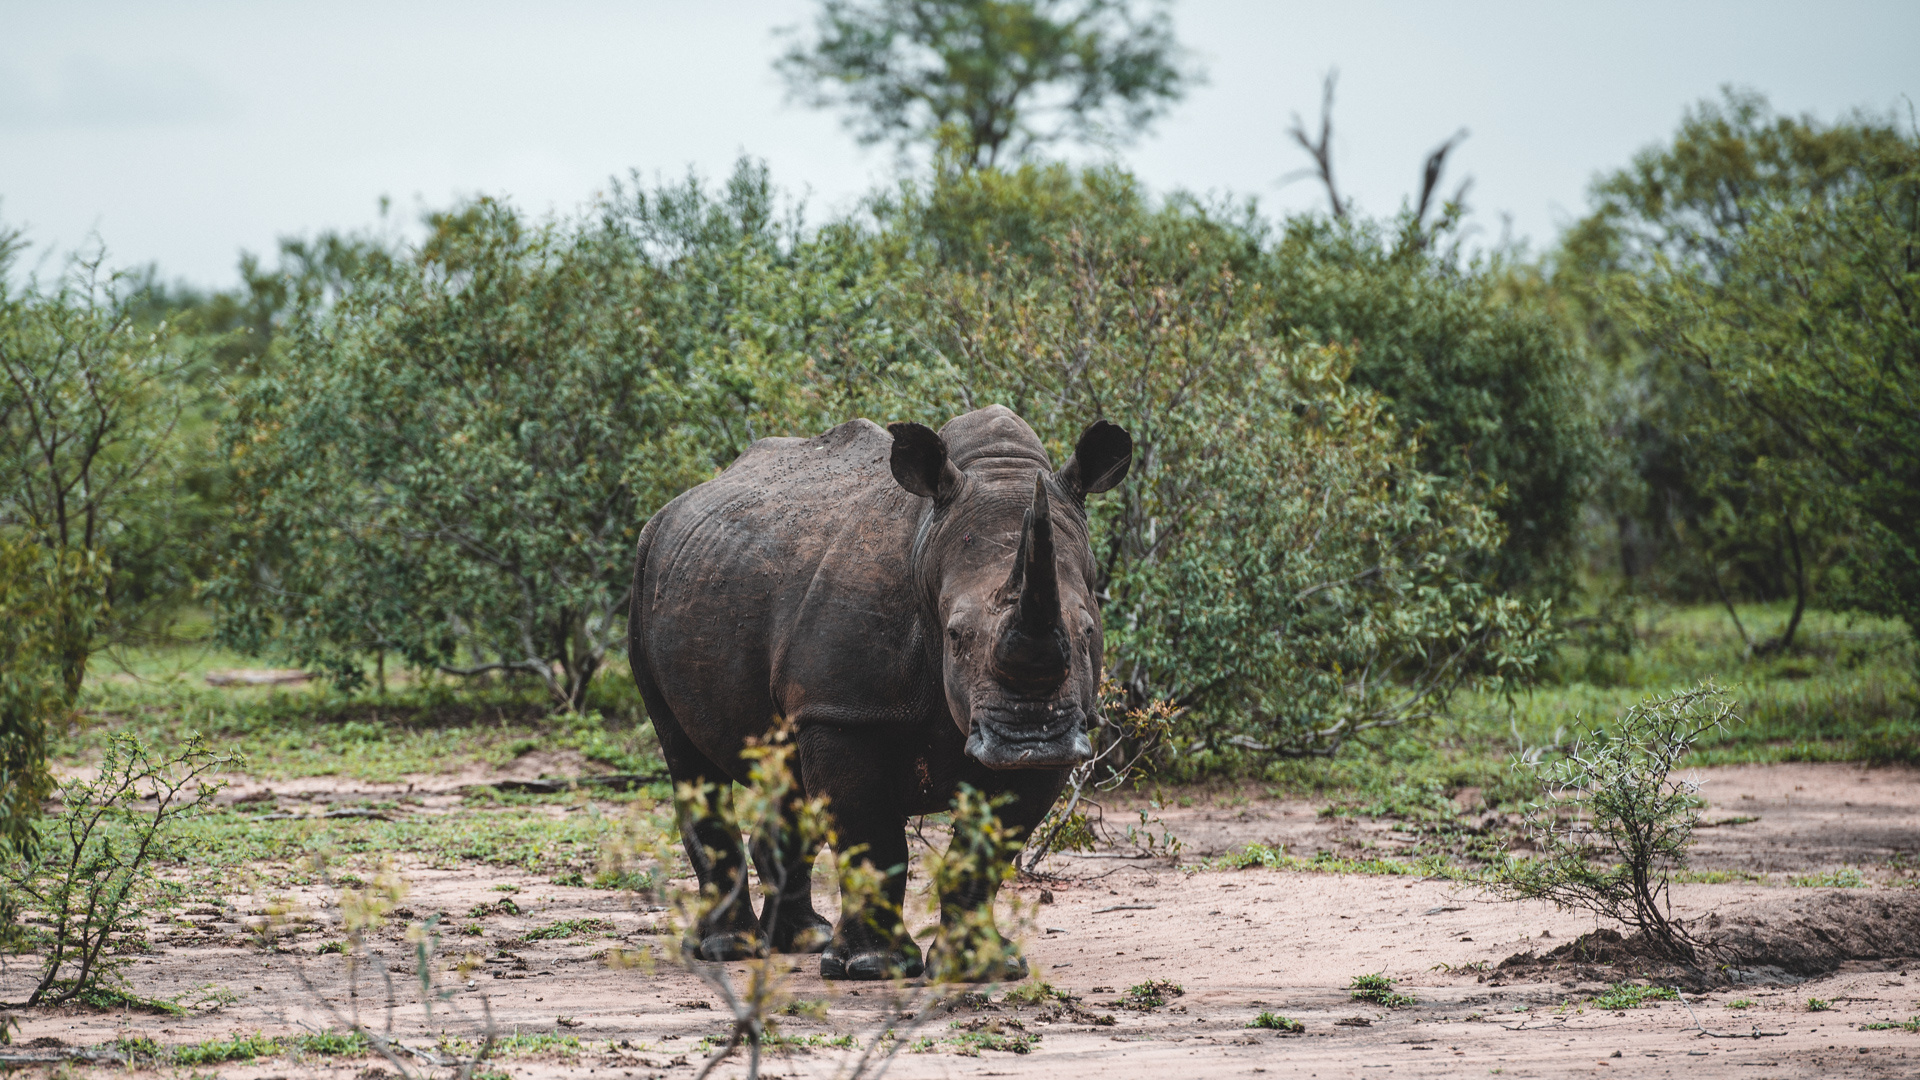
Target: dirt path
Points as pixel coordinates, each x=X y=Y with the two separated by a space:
x=1237 y=942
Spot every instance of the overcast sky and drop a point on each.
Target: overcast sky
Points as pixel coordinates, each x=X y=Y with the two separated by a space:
x=182 y=133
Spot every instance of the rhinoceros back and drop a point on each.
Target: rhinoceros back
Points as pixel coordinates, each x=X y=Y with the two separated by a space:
x=781 y=588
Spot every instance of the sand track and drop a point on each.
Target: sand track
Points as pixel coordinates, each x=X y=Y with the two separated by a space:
x=1238 y=942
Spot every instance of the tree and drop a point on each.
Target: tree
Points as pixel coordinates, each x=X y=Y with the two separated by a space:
x=452 y=459
x=1810 y=324
x=1277 y=564
x=980 y=75
x=1707 y=494
x=90 y=406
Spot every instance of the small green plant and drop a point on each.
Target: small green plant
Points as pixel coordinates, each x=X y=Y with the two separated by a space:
x=1150 y=994
x=215 y=1052
x=568 y=928
x=1622 y=995
x=1377 y=989
x=1614 y=794
x=1815 y=1004
x=1275 y=1022
x=1844 y=878
x=1036 y=992
x=1742 y=1003
x=1912 y=1023
x=80 y=888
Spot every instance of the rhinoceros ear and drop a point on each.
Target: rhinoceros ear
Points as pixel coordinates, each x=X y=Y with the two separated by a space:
x=1100 y=460
x=920 y=462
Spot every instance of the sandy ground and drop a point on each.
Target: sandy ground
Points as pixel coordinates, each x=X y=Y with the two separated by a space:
x=1238 y=942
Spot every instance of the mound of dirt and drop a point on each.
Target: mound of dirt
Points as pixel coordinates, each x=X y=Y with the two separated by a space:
x=1811 y=932
x=1786 y=939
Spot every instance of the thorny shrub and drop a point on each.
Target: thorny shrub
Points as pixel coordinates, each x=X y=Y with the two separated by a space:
x=73 y=901
x=1616 y=821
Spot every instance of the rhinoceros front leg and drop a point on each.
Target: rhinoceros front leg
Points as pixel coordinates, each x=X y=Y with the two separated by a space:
x=969 y=946
x=854 y=770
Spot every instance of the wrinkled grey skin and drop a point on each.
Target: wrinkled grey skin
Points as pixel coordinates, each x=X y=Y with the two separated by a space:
x=917 y=608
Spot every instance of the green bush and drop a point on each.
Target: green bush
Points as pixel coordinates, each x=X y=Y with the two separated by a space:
x=1276 y=563
x=48 y=600
x=452 y=461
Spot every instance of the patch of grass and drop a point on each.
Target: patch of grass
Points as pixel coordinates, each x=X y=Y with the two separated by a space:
x=1150 y=994
x=1845 y=693
x=1377 y=989
x=785 y=1041
x=218 y=1051
x=1742 y=1003
x=333 y=1044
x=1844 y=878
x=1622 y=995
x=1326 y=862
x=518 y=1045
x=1036 y=992
x=1006 y=1036
x=568 y=928
x=1276 y=1022
x=1712 y=877
x=1815 y=1004
x=1912 y=1023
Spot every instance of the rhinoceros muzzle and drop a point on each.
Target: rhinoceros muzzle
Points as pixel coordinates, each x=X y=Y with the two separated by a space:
x=1054 y=739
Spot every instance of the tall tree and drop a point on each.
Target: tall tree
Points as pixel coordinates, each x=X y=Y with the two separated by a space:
x=990 y=79
x=1710 y=497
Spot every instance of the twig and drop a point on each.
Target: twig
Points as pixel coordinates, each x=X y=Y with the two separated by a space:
x=1125 y=907
x=1755 y=1034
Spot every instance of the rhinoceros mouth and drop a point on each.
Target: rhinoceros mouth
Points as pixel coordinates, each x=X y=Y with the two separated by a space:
x=1021 y=739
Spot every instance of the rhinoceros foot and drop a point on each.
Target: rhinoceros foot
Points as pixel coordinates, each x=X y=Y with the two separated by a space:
x=807 y=934
x=958 y=967
x=731 y=945
x=872 y=965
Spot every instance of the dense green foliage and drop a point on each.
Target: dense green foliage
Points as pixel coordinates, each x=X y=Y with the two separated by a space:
x=1276 y=563
x=48 y=599
x=452 y=460
x=1366 y=460
x=1811 y=327
x=1741 y=290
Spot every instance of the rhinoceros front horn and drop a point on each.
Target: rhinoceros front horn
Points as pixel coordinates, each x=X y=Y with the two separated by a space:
x=1031 y=656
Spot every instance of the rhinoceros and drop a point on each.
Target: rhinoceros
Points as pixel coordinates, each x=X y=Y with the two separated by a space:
x=916 y=611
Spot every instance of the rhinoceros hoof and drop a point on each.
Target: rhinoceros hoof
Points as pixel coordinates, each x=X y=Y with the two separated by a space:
x=870 y=966
x=728 y=945
x=1010 y=968
x=809 y=935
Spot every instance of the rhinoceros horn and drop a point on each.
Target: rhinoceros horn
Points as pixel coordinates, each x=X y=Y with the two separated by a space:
x=1031 y=655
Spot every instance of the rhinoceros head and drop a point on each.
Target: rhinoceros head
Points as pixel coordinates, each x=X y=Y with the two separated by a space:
x=1005 y=571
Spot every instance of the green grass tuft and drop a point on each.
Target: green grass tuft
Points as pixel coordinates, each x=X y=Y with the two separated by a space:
x=1622 y=995
x=1275 y=1022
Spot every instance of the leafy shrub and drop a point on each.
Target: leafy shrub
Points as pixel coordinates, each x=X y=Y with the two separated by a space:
x=1614 y=795
x=85 y=880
